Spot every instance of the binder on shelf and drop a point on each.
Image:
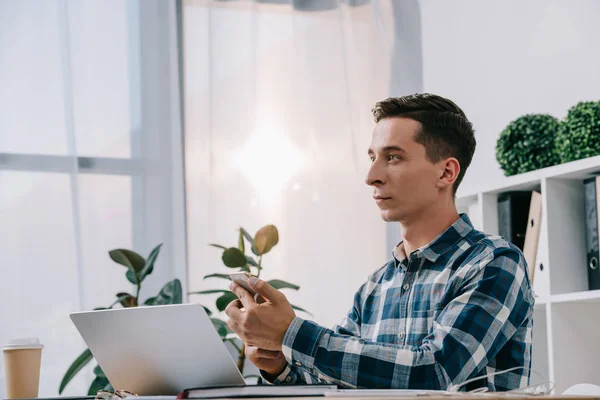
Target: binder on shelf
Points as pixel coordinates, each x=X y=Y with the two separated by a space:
x=532 y=233
x=541 y=284
x=592 y=221
x=513 y=211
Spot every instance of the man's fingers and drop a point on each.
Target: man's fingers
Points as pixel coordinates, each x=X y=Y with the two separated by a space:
x=245 y=297
x=233 y=326
x=264 y=289
x=233 y=310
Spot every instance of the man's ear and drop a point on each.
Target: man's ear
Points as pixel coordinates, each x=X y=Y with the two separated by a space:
x=450 y=169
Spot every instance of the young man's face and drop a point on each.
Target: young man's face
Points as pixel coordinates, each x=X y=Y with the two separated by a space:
x=404 y=181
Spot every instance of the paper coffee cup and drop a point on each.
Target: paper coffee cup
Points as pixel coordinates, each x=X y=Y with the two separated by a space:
x=22 y=362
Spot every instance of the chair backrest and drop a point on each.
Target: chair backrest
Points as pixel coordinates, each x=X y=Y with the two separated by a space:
x=583 y=389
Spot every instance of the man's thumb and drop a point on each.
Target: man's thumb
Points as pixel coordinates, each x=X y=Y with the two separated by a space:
x=264 y=289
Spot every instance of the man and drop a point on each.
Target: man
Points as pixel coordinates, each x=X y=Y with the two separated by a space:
x=451 y=305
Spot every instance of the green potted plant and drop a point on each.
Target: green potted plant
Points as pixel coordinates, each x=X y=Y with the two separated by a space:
x=138 y=269
x=528 y=143
x=579 y=135
x=236 y=259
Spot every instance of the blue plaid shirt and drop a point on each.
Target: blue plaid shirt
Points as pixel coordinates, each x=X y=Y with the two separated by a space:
x=458 y=308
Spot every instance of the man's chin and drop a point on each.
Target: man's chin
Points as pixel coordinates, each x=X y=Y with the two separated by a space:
x=389 y=216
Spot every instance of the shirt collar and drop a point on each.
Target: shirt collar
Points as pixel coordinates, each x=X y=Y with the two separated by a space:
x=438 y=246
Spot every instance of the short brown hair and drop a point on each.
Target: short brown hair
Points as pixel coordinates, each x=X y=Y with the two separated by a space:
x=445 y=130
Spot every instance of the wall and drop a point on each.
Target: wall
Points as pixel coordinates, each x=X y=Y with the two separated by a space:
x=500 y=60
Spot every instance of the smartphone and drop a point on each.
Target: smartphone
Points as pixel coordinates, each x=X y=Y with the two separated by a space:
x=241 y=278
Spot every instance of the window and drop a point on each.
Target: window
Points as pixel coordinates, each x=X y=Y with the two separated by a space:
x=90 y=160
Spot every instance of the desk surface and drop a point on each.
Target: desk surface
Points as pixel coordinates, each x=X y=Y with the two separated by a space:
x=462 y=396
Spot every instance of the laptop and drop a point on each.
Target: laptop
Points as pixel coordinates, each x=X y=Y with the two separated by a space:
x=158 y=350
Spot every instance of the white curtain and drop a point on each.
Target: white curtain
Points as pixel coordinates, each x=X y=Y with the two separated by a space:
x=277 y=125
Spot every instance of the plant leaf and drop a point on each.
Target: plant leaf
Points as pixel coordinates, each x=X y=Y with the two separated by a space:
x=98 y=371
x=241 y=242
x=171 y=293
x=234 y=258
x=98 y=384
x=265 y=239
x=301 y=309
x=221 y=327
x=251 y=261
x=150 y=301
x=279 y=284
x=250 y=240
x=131 y=276
x=127 y=300
x=212 y=291
x=223 y=276
x=247 y=236
x=225 y=299
x=208 y=312
x=149 y=265
x=218 y=246
x=75 y=367
x=130 y=259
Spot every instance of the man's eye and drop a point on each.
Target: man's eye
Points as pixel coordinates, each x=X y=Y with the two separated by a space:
x=372 y=159
x=392 y=157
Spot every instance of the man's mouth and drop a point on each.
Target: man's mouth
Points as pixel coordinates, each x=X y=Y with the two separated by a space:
x=381 y=199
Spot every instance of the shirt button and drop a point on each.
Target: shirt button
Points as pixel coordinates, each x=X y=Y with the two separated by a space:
x=289 y=378
x=400 y=335
x=298 y=364
x=406 y=287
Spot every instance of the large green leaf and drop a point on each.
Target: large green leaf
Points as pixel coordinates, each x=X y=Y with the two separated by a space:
x=301 y=309
x=77 y=365
x=99 y=383
x=279 y=284
x=224 y=300
x=171 y=293
x=222 y=276
x=149 y=265
x=265 y=239
x=130 y=259
x=234 y=258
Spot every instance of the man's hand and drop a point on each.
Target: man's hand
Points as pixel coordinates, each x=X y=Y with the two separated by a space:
x=271 y=362
x=261 y=325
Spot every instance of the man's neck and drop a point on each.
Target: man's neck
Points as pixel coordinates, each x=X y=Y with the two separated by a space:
x=422 y=229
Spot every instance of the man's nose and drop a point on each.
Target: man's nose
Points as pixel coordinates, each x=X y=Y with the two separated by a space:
x=375 y=175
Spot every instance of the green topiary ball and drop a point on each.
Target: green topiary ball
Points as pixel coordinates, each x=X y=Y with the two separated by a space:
x=528 y=143
x=579 y=135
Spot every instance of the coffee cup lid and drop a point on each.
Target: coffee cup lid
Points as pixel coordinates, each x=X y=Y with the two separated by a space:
x=25 y=343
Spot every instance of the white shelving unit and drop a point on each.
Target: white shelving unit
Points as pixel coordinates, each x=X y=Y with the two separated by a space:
x=566 y=333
